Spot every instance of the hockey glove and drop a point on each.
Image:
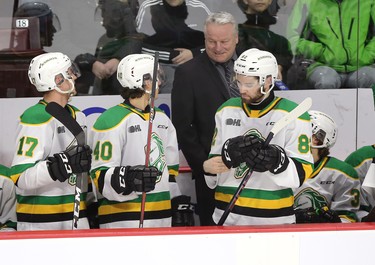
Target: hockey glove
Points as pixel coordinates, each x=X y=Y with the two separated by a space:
x=321 y=215
x=85 y=61
x=235 y=150
x=272 y=158
x=140 y=178
x=368 y=218
x=74 y=160
x=182 y=211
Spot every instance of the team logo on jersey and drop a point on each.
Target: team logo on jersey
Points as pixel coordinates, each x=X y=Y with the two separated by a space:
x=61 y=129
x=309 y=198
x=254 y=132
x=241 y=171
x=157 y=154
x=72 y=179
x=134 y=128
x=233 y=122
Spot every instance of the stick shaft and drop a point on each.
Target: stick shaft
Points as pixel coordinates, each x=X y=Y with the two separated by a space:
x=149 y=132
x=235 y=198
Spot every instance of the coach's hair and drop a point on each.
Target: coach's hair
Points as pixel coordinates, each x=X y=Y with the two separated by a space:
x=221 y=18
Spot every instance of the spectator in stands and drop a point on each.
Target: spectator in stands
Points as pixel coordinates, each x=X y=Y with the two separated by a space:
x=8 y=219
x=200 y=86
x=171 y=35
x=255 y=33
x=335 y=46
x=123 y=39
x=196 y=11
x=362 y=159
x=332 y=193
x=49 y=22
x=14 y=64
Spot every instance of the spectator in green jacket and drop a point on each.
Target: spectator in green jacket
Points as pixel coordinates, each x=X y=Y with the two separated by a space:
x=336 y=37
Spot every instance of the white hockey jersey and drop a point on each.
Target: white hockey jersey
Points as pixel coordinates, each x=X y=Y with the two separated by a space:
x=42 y=203
x=361 y=160
x=8 y=220
x=333 y=183
x=119 y=138
x=267 y=198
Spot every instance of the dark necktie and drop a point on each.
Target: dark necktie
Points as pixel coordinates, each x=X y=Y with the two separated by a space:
x=233 y=89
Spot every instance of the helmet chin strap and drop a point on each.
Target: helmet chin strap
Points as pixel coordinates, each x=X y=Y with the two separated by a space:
x=149 y=91
x=263 y=93
x=67 y=91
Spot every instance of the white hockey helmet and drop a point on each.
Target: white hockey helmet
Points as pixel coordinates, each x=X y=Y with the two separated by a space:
x=255 y=62
x=48 y=70
x=324 y=128
x=134 y=69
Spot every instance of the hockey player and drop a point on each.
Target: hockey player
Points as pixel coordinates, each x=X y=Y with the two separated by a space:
x=8 y=220
x=361 y=160
x=332 y=193
x=47 y=154
x=120 y=139
x=242 y=124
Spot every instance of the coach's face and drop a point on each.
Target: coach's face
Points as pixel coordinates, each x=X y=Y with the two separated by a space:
x=220 y=41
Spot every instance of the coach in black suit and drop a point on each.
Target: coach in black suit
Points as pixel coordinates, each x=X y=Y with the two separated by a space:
x=200 y=86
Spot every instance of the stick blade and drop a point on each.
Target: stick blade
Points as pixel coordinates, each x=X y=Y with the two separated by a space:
x=293 y=115
x=58 y=112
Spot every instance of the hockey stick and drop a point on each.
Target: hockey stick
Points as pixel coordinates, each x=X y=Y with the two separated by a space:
x=149 y=133
x=58 y=112
x=279 y=125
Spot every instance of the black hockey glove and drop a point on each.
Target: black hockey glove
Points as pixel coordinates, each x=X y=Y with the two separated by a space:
x=321 y=215
x=367 y=218
x=140 y=178
x=85 y=61
x=272 y=158
x=235 y=150
x=74 y=160
x=182 y=211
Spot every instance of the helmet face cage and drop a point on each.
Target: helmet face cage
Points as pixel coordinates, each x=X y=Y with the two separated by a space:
x=324 y=129
x=48 y=71
x=255 y=62
x=134 y=69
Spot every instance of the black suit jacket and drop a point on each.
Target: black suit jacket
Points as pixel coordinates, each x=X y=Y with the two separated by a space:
x=198 y=91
